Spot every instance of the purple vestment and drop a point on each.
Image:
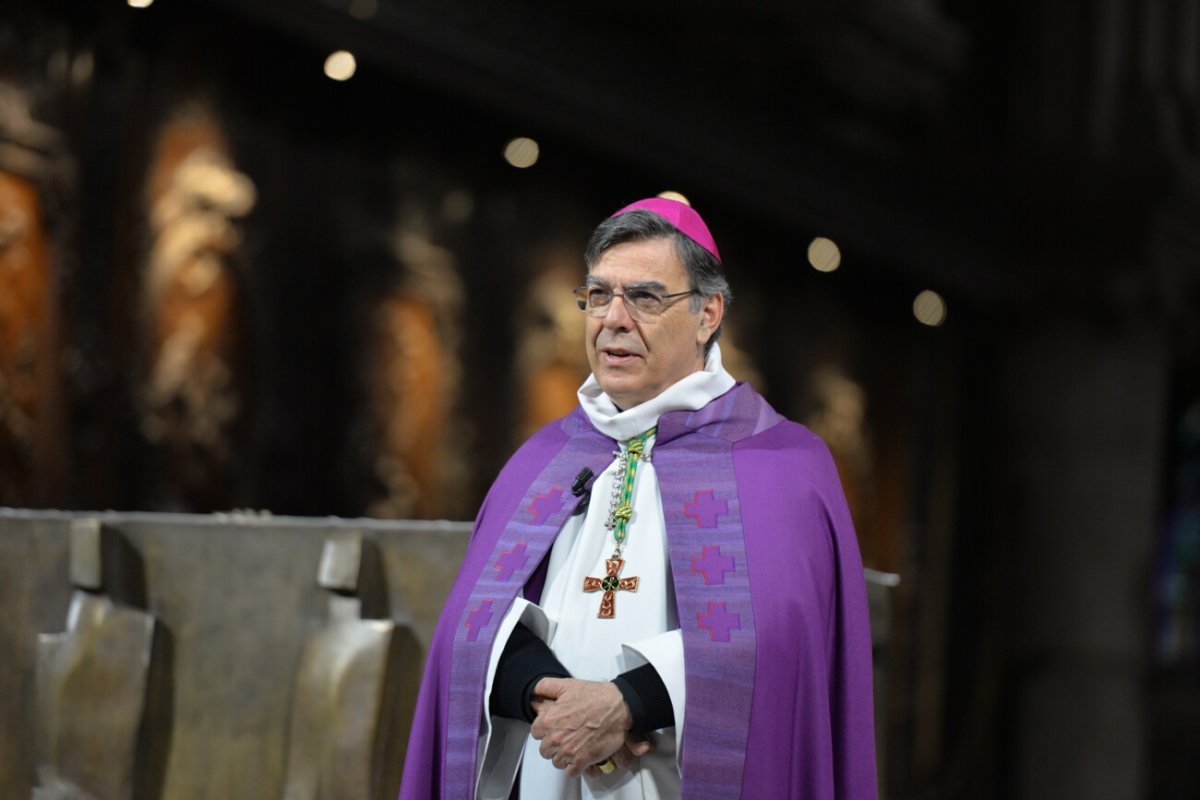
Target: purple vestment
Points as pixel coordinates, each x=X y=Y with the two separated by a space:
x=769 y=589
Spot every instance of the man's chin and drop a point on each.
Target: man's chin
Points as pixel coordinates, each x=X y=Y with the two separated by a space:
x=621 y=391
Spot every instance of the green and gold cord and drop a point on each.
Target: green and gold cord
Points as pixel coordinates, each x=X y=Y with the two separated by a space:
x=622 y=499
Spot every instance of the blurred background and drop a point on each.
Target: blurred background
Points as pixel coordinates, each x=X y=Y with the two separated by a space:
x=314 y=257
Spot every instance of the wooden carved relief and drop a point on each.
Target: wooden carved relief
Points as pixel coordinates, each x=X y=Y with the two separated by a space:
x=28 y=378
x=192 y=393
x=551 y=359
x=412 y=376
x=839 y=417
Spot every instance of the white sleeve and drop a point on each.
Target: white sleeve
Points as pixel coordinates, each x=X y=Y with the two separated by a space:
x=502 y=740
x=665 y=653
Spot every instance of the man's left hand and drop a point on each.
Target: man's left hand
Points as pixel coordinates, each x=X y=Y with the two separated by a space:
x=624 y=759
x=584 y=725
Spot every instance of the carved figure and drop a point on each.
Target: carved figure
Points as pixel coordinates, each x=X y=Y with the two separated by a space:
x=413 y=377
x=27 y=376
x=550 y=358
x=192 y=398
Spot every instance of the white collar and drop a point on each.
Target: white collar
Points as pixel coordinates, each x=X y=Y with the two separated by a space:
x=690 y=393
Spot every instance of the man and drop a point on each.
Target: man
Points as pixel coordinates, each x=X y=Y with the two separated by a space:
x=691 y=622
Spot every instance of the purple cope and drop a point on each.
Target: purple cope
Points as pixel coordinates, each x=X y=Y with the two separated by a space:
x=768 y=584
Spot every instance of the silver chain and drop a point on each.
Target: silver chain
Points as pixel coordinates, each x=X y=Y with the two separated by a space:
x=618 y=482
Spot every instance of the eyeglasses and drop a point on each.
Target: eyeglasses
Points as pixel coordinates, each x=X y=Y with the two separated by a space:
x=642 y=304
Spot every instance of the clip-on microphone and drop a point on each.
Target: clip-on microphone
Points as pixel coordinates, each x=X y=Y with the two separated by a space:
x=582 y=488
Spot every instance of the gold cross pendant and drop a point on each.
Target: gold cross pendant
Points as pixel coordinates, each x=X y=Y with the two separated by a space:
x=610 y=583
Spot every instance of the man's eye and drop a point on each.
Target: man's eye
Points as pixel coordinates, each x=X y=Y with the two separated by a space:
x=642 y=297
x=599 y=297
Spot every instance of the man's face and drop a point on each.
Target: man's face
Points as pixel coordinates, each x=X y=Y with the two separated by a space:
x=635 y=361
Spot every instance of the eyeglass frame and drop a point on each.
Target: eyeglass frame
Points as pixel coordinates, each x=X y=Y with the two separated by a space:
x=582 y=292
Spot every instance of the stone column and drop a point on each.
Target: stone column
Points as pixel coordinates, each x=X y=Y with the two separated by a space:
x=1079 y=486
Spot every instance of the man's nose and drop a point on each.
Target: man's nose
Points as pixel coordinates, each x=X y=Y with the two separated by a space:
x=614 y=318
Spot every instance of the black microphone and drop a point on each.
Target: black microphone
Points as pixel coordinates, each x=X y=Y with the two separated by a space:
x=580 y=487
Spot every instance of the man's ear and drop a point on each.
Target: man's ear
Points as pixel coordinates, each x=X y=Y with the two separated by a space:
x=711 y=314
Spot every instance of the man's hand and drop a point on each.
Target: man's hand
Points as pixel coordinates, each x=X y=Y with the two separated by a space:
x=634 y=748
x=539 y=704
x=586 y=723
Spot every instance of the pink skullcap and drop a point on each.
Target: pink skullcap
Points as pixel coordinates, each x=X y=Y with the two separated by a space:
x=682 y=216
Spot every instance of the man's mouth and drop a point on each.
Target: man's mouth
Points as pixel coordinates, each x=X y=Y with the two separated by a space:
x=617 y=355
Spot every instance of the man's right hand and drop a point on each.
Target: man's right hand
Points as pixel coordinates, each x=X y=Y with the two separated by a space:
x=586 y=723
x=538 y=704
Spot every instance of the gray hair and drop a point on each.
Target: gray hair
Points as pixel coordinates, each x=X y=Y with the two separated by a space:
x=705 y=275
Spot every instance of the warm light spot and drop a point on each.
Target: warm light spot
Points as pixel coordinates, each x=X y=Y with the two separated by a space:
x=824 y=254
x=364 y=9
x=139 y=3
x=929 y=308
x=669 y=195
x=82 y=67
x=521 y=152
x=59 y=64
x=340 y=65
x=458 y=206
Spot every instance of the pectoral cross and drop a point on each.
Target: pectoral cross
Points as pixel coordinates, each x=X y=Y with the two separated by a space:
x=610 y=584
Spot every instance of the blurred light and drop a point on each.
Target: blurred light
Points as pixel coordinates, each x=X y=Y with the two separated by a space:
x=521 y=152
x=929 y=308
x=669 y=195
x=363 y=9
x=458 y=206
x=340 y=65
x=824 y=254
x=139 y=3
x=58 y=65
x=82 y=67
